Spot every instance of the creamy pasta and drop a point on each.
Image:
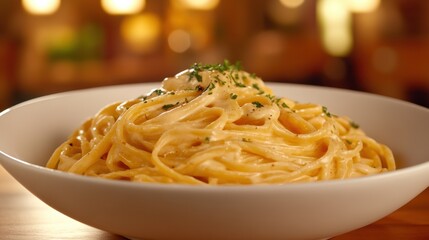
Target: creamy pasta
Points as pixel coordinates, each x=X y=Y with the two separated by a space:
x=216 y=125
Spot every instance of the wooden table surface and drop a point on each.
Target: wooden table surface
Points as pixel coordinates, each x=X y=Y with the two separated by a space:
x=23 y=216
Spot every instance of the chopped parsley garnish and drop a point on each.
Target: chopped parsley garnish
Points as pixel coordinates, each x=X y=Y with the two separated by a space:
x=159 y=92
x=354 y=125
x=168 y=106
x=326 y=112
x=257 y=104
x=238 y=84
x=237 y=65
x=211 y=86
x=285 y=105
x=271 y=97
x=256 y=86
x=195 y=73
x=218 y=80
x=196 y=68
x=233 y=96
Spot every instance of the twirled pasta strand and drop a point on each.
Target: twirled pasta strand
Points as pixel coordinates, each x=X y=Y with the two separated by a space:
x=219 y=126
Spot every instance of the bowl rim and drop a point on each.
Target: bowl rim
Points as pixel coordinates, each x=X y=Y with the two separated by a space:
x=158 y=84
x=235 y=187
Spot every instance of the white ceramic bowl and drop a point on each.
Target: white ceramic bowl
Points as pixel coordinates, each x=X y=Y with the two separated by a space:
x=30 y=131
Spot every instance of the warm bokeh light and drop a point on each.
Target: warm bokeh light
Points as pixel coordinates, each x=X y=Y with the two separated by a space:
x=41 y=7
x=291 y=3
x=123 y=6
x=199 y=4
x=335 y=23
x=179 y=41
x=363 y=6
x=141 y=32
x=58 y=45
x=337 y=42
x=332 y=11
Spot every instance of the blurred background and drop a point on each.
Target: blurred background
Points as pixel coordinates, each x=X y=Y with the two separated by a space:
x=49 y=46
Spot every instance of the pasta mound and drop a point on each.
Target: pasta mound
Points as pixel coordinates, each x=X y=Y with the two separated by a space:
x=217 y=125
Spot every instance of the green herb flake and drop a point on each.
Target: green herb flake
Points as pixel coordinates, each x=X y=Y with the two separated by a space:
x=236 y=83
x=159 y=92
x=326 y=112
x=284 y=105
x=196 y=68
x=168 y=106
x=211 y=86
x=240 y=84
x=256 y=86
x=271 y=97
x=222 y=67
x=233 y=96
x=257 y=104
x=195 y=73
x=236 y=76
x=354 y=125
x=218 y=80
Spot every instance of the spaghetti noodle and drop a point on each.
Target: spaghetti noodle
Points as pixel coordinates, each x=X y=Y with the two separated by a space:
x=217 y=124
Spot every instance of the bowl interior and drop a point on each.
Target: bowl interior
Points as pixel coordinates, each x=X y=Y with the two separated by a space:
x=400 y=125
x=33 y=129
x=30 y=131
